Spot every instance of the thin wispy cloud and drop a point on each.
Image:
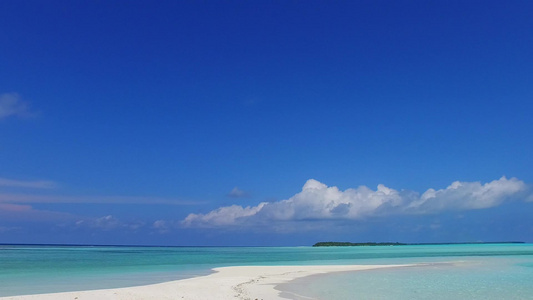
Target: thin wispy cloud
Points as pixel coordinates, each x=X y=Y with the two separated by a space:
x=8 y=207
x=108 y=223
x=38 y=184
x=13 y=212
x=317 y=201
x=22 y=213
x=31 y=198
x=162 y=226
x=238 y=193
x=7 y=229
x=12 y=105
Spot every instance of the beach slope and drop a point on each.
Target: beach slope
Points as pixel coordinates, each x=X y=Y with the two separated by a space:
x=242 y=282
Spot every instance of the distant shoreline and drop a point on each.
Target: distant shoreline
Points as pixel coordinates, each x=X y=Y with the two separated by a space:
x=350 y=244
x=318 y=244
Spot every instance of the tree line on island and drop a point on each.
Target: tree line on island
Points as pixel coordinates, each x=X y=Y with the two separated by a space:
x=336 y=244
x=345 y=244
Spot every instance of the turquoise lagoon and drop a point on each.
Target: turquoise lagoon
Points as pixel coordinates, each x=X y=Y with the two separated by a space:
x=465 y=271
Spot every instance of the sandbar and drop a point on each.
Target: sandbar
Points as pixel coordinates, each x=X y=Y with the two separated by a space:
x=240 y=282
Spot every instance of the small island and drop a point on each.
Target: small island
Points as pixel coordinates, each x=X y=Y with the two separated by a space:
x=345 y=244
x=349 y=244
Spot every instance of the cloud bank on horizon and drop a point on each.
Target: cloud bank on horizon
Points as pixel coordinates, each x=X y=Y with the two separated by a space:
x=317 y=201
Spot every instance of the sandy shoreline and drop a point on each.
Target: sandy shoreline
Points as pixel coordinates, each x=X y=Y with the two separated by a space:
x=243 y=282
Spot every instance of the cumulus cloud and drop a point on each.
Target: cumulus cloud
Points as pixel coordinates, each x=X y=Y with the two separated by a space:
x=238 y=193
x=39 y=184
x=317 y=201
x=11 y=105
x=468 y=195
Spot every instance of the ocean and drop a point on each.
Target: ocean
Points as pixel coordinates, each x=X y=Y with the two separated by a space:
x=461 y=271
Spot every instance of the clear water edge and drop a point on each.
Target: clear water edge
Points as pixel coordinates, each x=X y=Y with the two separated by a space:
x=504 y=267
x=473 y=277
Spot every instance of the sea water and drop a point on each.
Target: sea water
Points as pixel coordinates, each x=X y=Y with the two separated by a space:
x=460 y=272
x=481 y=271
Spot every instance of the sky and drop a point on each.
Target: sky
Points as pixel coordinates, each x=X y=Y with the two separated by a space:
x=265 y=123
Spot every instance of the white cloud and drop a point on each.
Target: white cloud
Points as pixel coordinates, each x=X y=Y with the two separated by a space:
x=228 y=215
x=109 y=223
x=238 y=193
x=106 y=223
x=530 y=198
x=162 y=226
x=317 y=201
x=39 y=184
x=12 y=105
x=468 y=195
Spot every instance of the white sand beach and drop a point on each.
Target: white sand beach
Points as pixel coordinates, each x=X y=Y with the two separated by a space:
x=242 y=282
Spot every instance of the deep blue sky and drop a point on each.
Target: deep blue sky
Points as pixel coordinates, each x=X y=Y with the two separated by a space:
x=119 y=119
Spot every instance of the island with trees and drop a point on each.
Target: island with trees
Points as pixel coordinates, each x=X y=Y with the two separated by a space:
x=345 y=244
x=349 y=244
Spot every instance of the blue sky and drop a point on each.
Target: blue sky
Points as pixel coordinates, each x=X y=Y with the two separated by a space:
x=265 y=122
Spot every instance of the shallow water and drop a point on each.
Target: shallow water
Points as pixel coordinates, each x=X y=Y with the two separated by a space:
x=504 y=268
x=491 y=278
x=462 y=272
